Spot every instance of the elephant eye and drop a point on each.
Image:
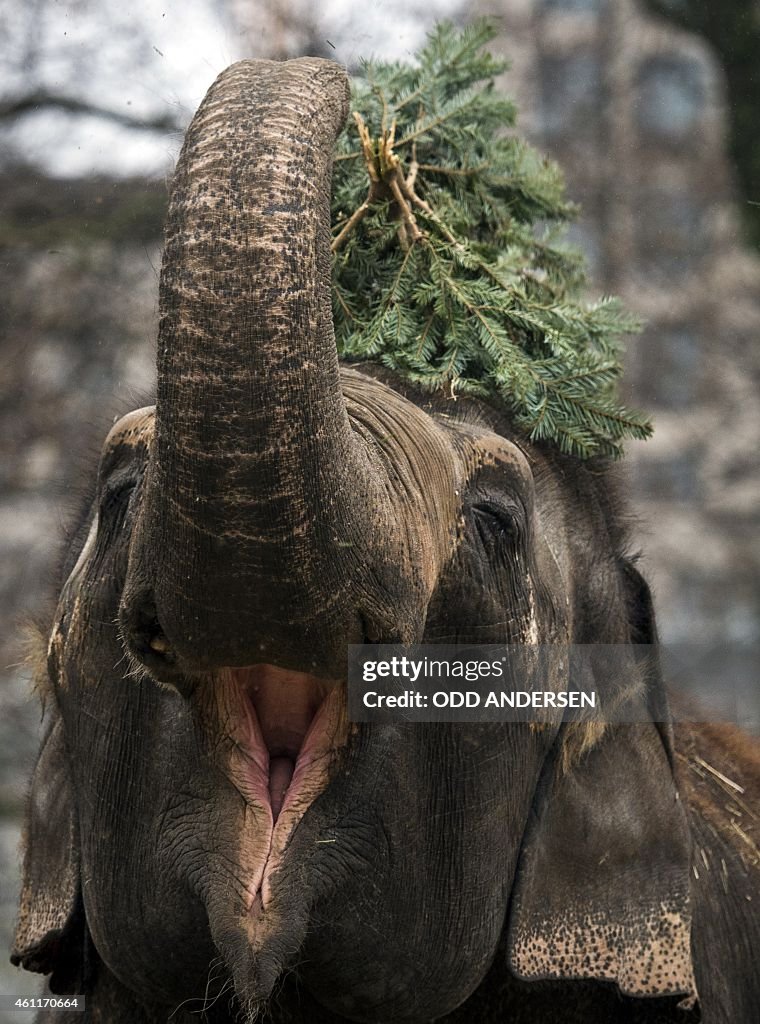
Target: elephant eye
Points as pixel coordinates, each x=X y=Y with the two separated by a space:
x=115 y=496
x=496 y=522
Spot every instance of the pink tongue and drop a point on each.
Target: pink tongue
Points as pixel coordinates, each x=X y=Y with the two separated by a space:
x=280 y=774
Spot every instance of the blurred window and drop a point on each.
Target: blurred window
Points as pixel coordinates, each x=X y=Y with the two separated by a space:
x=671 y=96
x=571 y=94
x=669 y=377
x=670 y=231
x=584 y=235
x=668 y=478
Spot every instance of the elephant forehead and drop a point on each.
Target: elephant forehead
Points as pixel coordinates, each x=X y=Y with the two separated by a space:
x=419 y=461
x=397 y=425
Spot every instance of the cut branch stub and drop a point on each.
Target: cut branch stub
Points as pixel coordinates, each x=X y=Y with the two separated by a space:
x=385 y=178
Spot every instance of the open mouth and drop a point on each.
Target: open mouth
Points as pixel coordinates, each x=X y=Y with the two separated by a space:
x=290 y=726
x=287 y=727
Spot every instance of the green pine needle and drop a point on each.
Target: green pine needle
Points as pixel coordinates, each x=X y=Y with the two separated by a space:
x=449 y=266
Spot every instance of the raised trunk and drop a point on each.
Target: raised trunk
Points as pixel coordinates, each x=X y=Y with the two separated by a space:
x=258 y=503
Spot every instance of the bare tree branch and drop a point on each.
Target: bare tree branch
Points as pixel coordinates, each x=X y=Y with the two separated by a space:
x=40 y=99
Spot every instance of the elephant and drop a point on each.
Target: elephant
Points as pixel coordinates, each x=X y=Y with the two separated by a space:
x=207 y=832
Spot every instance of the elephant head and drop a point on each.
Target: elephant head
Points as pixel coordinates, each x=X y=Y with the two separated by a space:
x=200 y=797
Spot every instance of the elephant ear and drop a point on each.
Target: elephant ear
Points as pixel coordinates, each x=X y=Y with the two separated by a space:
x=51 y=933
x=602 y=884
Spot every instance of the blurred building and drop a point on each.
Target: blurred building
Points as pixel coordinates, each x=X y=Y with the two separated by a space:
x=635 y=112
x=77 y=329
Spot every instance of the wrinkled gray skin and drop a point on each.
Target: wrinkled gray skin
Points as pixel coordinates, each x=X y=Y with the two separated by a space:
x=272 y=509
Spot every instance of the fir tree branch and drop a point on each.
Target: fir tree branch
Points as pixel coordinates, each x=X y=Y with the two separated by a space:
x=445 y=281
x=454 y=172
